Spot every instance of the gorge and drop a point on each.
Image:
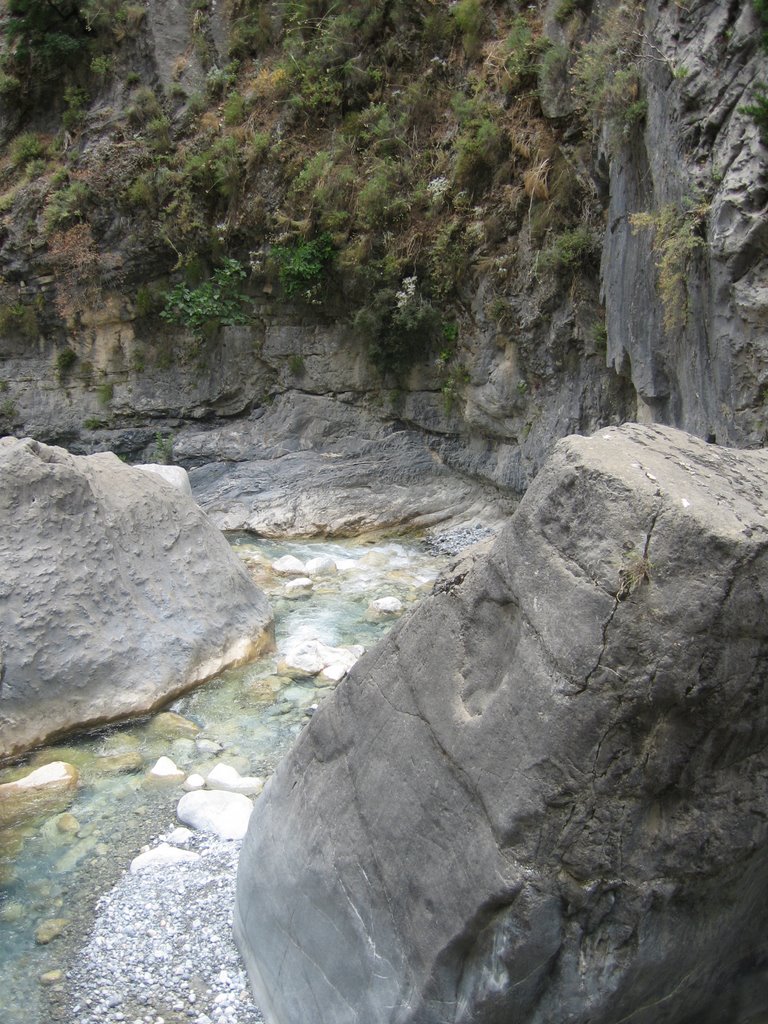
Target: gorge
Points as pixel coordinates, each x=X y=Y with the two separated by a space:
x=360 y=268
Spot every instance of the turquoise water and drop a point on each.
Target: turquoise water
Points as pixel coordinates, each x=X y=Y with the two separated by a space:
x=56 y=867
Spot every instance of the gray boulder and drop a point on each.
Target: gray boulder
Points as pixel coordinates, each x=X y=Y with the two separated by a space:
x=544 y=797
x=116 y=594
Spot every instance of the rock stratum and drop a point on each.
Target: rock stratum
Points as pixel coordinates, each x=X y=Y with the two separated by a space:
x=116 y=594
x=543 y=797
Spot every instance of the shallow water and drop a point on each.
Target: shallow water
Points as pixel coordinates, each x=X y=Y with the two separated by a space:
x=57 y=867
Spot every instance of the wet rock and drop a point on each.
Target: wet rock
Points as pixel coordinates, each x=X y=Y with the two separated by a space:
x=118 y=593
x=302 y=586
x=193 y=782
x=288 y=565
x=49 y=930
x=40 y=792
x=118 y=764
x=171 y=725
x=68 y=824
x=322 y=565
x=543 y=796
x=52 y=977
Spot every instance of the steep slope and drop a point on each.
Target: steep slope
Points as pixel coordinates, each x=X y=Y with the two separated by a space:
x=496 y=223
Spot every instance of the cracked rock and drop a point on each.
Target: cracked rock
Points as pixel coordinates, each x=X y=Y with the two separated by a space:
x=543 y=797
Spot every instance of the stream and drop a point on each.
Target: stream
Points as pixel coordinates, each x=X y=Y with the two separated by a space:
x=58 y=868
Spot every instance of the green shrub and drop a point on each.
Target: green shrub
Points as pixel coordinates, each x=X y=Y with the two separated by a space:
x=163 y=451
x=296 y=365
x=105 y=393
x=26 y=147
x=218 y=80
x=76 y=101
x=158 y=133
x=9 y=84
x=67 y=206
x=382 y=200
x=606 y=71
x=469 y=17
x=234 y=109
x=480 y=149
x=398 y=326
x=570 y=252
x=19 y=318
x=102 y=65
x=758 y=110
x=212 y=304
x=302 y=266
x=522 y=49
x=677 y=235
x=145 y=107
x=63 y=363
x=216 y=170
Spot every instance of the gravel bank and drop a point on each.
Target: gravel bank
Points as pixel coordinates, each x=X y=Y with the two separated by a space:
x=161 y=950
x=451 y=542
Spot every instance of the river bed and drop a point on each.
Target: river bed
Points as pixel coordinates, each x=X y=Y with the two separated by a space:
x=58 y=868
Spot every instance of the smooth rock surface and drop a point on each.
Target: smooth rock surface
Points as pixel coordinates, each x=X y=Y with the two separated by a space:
x=176 y=476
x=116 y=594
x=544 y=796
x=160 y=857
x=223 y=814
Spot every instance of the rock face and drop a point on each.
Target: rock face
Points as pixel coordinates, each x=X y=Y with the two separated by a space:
x=543 y=797
x=116 y=593
x=313 y=465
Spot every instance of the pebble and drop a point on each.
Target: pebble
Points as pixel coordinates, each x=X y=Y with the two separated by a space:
x=162 y=944
x=451 y=542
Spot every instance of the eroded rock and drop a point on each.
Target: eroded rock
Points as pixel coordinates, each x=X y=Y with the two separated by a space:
x=116 y=595
x=544 y=797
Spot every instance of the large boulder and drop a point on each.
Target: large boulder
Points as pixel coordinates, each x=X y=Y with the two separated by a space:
x=116 y=594
x=544 y=797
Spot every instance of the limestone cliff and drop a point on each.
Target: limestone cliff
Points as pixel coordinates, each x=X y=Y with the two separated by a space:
x=495 y=224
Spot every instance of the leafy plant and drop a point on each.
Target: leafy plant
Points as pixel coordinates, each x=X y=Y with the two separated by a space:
x=758 y=110
x=216 y=302
x=302 y=267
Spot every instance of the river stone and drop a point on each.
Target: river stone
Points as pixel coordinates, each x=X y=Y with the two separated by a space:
x=162 y=856
x=228 y=779
x=49 y=930
x=381 y=607
x=172 y=725
x=117 y=593
x=176 y=476
x=322 y=565
x=301 y=586
x=42 y=791
x=544 y=796
x=165 y=768
x=224 y=814
x=288 y=565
